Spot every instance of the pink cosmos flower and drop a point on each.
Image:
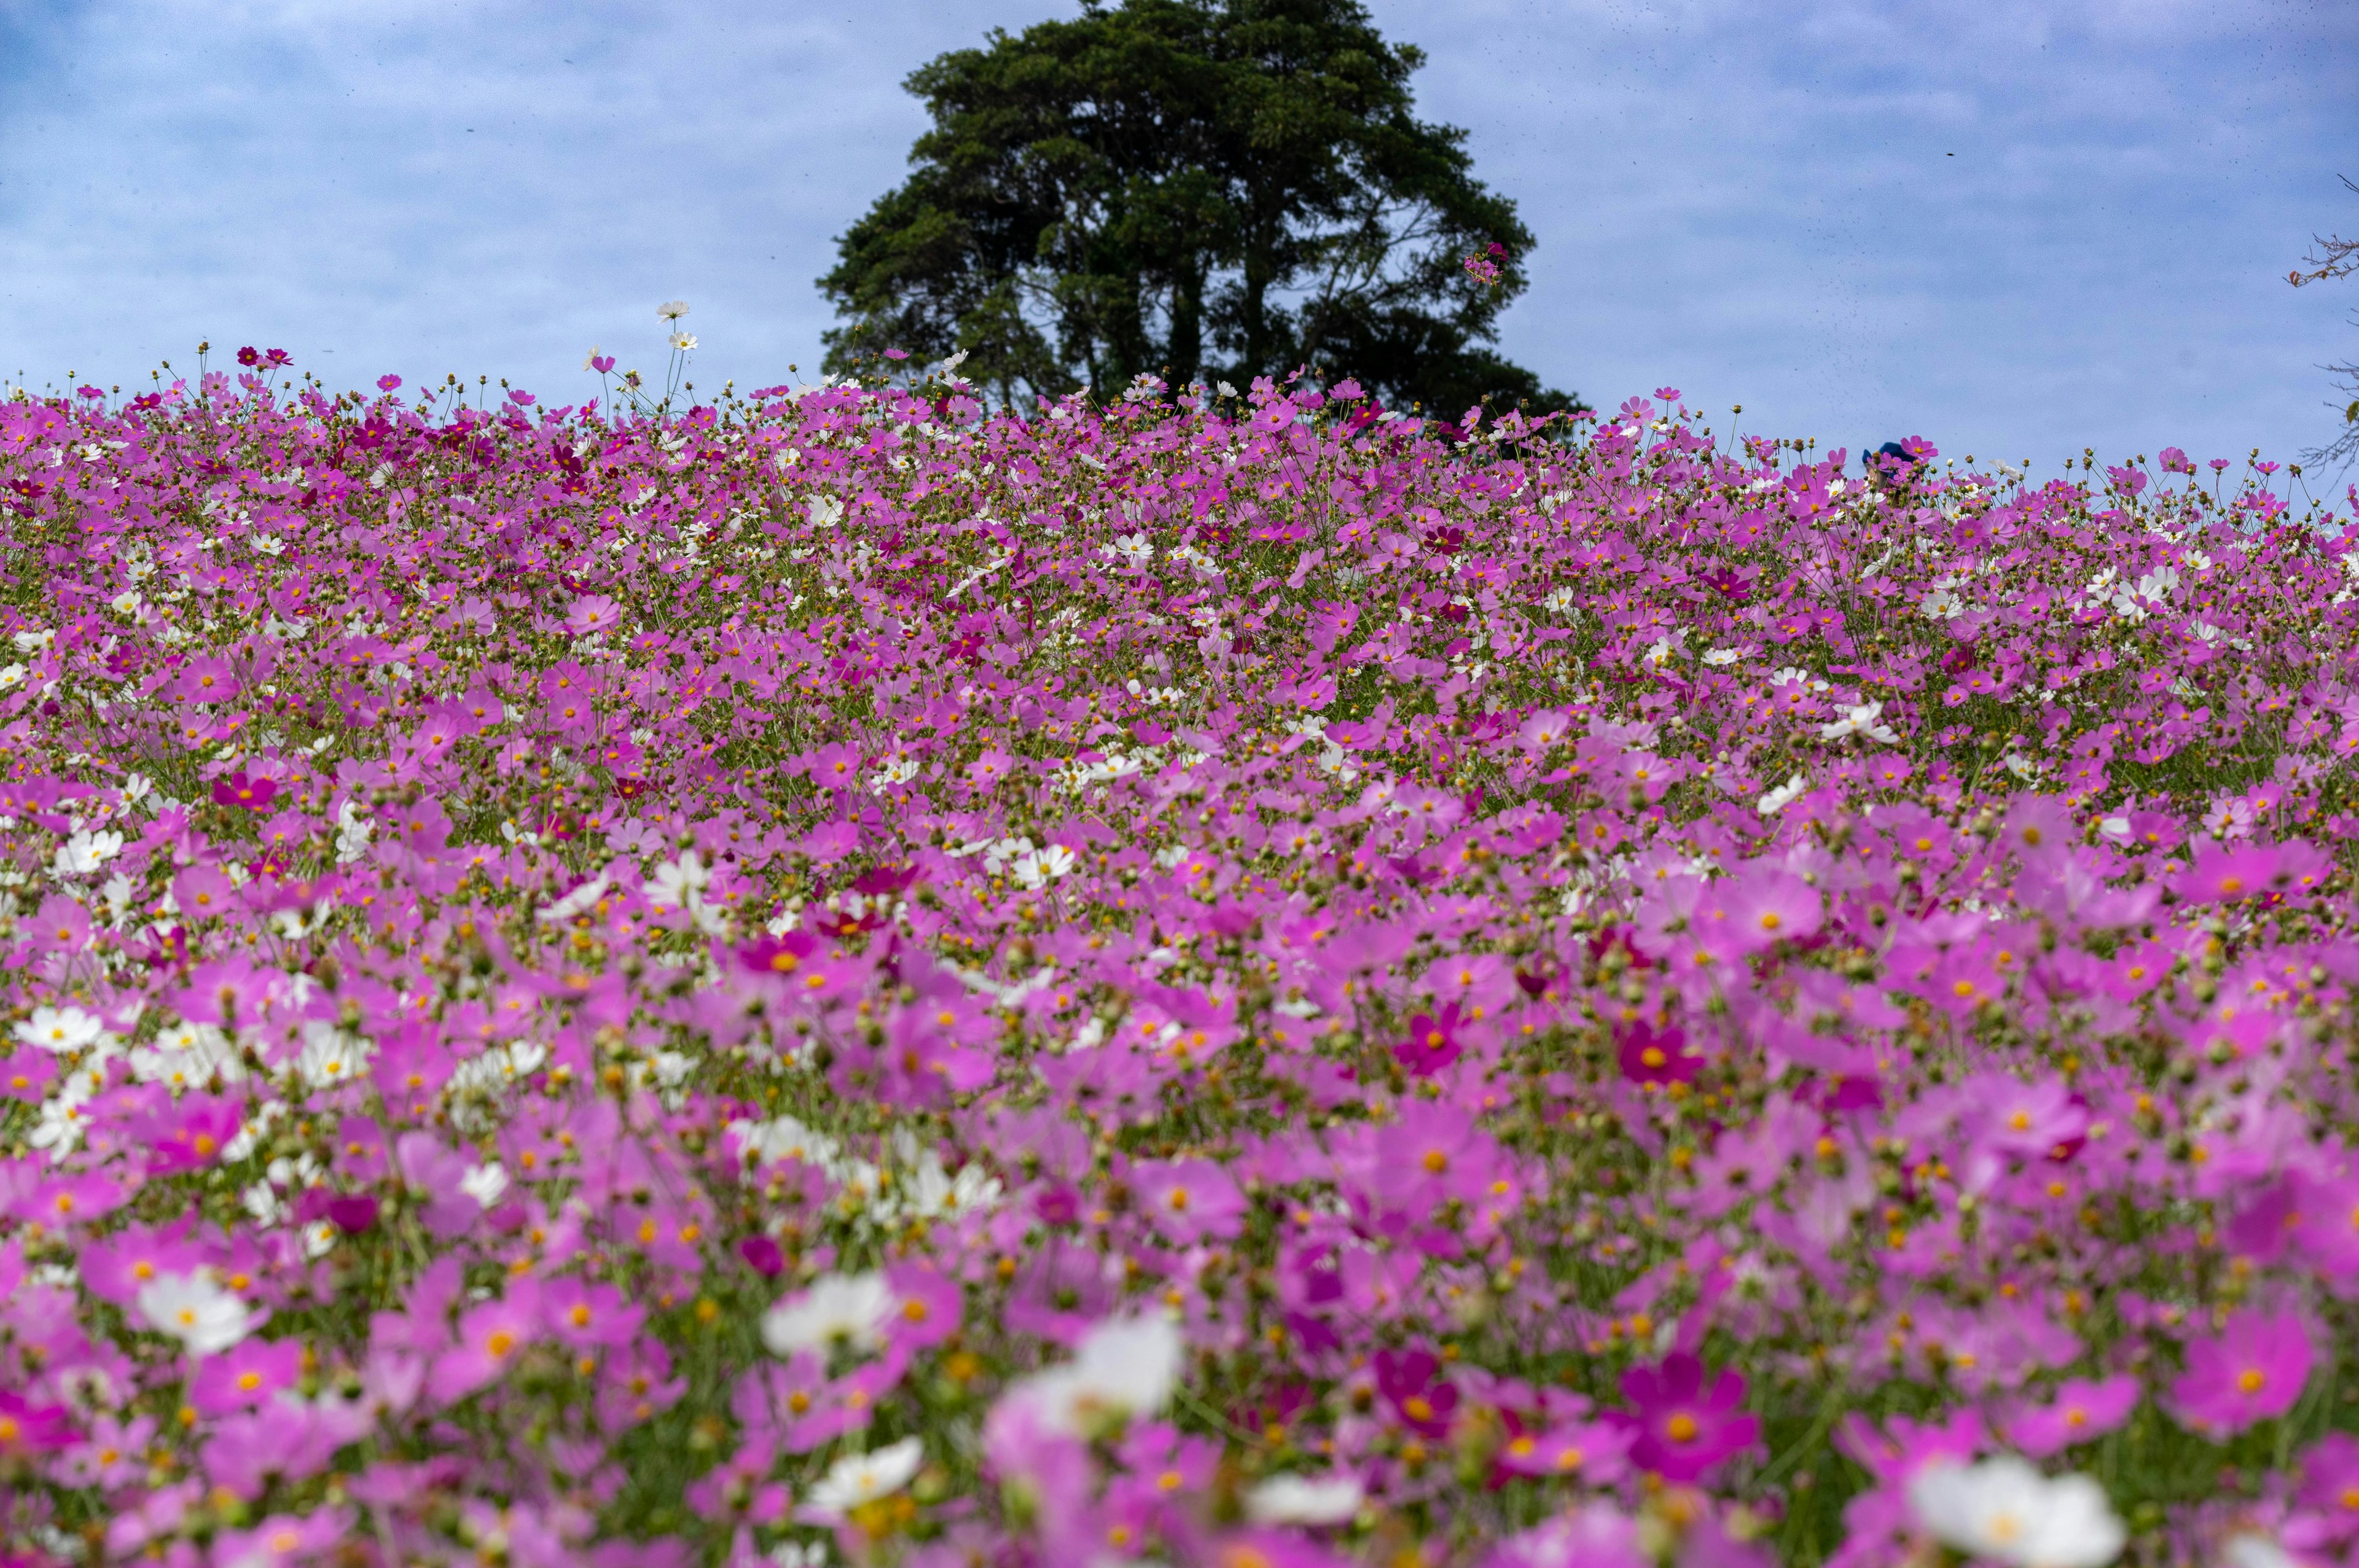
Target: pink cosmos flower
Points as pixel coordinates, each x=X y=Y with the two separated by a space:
x=491 y=1336
x=1594 y=1453
x=245 y=1375
x=593 y=612
x=194 y=1135
x=246 y=793
x=930 y=1307
x=1432 y=1044
x=1406 y=1381
x=2329 y=1484
x=1656 y=1056
x=784 y=955
x=1766 y=905
x=27 y=1428
x=61 y=927
x=589 y=1314
x=1189 y=1199
x=1685 y=1429
x=2255 y=1368
x=2080 y=1412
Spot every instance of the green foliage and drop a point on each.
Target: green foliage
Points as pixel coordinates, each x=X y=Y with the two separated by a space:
x=1213 y=188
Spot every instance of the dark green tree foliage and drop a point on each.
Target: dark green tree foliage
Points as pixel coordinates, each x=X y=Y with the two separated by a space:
x=1197 y=189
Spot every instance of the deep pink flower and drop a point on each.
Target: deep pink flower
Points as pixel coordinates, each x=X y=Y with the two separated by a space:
x=1594 y=1453
x=245 y=1375
x=1685 y=1429
x=1408 y=1381
x=589 y=1314
x=782 y=956
x=930 y=1307
x=1652 y=1056
x=27 y=1428
x=2255 y=1368
x=491 y=1336
x=192 y=1135
x=2080 y=1412
x=246 y=793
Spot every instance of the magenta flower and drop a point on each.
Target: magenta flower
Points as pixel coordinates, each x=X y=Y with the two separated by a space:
x=929 y=1306
x=783 y=955
x=245 y=1375
x=2330 y=1482
x=490 y=1338
x=1189 y=1199
x=352 y=1213
x=1686 y=1430
x=1656 y=1056
x=1408 y=1381
x=2080 y=1412
x=589 y=1314
x=2255 y=1368
x=1595 y=1453
x=27 y=1428
x=1432 y=1044
x=246 y=793
x=194 y=1135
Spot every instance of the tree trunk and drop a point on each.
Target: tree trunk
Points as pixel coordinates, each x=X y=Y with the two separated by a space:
x=1187 y=346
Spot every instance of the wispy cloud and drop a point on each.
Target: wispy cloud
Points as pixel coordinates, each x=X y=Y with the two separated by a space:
x=2018 y=229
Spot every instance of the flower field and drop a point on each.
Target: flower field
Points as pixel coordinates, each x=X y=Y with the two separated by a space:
x=1228 y=981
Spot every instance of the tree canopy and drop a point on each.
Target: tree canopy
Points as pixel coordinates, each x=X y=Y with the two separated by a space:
x=1194 y=190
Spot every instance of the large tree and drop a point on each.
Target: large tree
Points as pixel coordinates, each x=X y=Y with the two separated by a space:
x=1189 y=189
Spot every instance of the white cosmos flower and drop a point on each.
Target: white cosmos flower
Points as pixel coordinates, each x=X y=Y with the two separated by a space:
x=63 y=1030
x=85 y=852
x=2004 y=1510
x=329 y=1056
x=1784 y=795
x=1124 y=1368
x=62 y=1122
x=353 y=831
x=678 y=885
x=1304 y=1499
x=1721 y=657
x=683 y=342
x=1865 y=719
x=485 y=1183
x=850 y=1307
x=858 y=1478
x=671 y=310
x=783 y=1138
x=198 y=1313
x=2247 y=1550
x=187 y=1055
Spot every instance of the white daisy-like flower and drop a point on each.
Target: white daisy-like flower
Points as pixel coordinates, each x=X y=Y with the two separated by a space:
x=2004 y=1510
x=858 y=1478
x=852 y=1308
x=1125 y=1366
x=1784 y=795
x=62 y=1030
x=197 y=1312
x=1305 y=1499
x=331 y=1057
x=485 y=1183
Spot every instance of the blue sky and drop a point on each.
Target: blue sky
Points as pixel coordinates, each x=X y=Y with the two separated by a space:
x=2017 y=229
